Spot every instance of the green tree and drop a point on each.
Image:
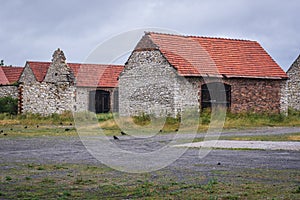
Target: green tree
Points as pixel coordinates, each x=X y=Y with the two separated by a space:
x=8 y=105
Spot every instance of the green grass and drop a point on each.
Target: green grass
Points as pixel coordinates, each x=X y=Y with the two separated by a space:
x=33 y=131
x=80 y=181
x=56 y=125
x=36 y=119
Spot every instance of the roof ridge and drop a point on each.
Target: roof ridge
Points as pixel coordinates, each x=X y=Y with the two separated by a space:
x=196 y=36
x=49 y=62
x=10 y=66
x=95 y=64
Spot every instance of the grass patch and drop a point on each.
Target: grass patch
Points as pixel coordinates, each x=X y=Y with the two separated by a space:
x=80 y=181
x=63 y=125
x=36 y=119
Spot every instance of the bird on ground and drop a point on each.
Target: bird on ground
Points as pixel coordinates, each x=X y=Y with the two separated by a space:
x=67 y=129
x=116 y=138
x=123 y=133
x=1 y=131
x=25 y=127
x=37 y=126
x=176 y=130
x=5 y=134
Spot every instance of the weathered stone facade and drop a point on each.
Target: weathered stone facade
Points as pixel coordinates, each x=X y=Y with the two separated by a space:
x=83 y=101
x=54 y=87
x=255 y=95
x=293 y=85
x=47 y=98
x=149 y=84
x=55 y=94
x=27 y=76
x=9 y=91
x=9 y=77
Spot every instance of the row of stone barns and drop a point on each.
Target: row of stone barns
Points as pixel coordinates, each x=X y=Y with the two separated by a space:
x=164 y=74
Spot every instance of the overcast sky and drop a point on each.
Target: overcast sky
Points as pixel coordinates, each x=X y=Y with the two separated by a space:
x=33 y=29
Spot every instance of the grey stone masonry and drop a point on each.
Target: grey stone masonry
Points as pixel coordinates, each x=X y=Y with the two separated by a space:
x=59 y=71
x=27 y=76
x=47 y=98
x=55 y=94
x=293 y=85
x=83 y=101
x=9 y=90
x=150 y=85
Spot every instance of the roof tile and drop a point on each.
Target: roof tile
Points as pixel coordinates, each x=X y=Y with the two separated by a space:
x=197 y=56
x=9 y=75
x=87 y=75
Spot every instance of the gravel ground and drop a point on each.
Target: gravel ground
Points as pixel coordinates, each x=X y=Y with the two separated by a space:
x=230 y=144
x=72 y=150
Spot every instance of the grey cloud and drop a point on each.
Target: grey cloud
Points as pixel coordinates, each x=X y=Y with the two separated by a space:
x=31 y=30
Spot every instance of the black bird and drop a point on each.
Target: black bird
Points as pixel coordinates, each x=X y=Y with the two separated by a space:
x=11 y=129
x=37 y=126
x=160 y=130
x=219 y=163
x=176 y=130
x=116 y=138
x=71 y=124
x=1 y=131
x=25 y=127
x=123 y=133
x=67 y=129
x=5 y=134
x=60 y=123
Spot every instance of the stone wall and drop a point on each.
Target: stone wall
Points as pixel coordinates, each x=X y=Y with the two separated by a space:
x=9 y=90
x=252 y=95
x=55 y=94
x=59 y=71
x=255 y=95
x=27 y=76
x=47 y=98
x=293 y=85
x=83 y=101
x=150 y=85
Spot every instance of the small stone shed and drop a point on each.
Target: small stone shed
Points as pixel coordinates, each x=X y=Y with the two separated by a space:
x=166 y=72
x=9 y=77
x=58 y=86
x=293 y=85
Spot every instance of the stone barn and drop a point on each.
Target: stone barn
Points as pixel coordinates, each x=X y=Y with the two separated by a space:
x=57 y=86
x=167 y=72
x=293 y=85
x=9 y=77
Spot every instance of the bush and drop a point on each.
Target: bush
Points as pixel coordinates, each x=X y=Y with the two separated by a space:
x=9 y=105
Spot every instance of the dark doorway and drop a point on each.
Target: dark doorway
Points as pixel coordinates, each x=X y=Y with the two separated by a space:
x=99 y=101
x=216 y=93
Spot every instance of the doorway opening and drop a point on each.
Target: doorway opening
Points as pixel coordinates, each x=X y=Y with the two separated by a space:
x=216 y=93
x=99 y=101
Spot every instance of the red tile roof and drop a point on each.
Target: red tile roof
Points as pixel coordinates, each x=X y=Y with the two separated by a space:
x=87 y=75
x=3 y=78
x=10 y=75
x=39 y=69
x=199 y=56
x=94 y=75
